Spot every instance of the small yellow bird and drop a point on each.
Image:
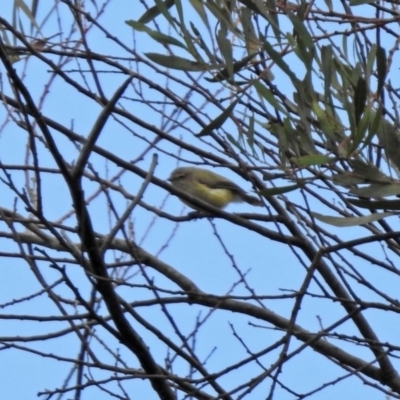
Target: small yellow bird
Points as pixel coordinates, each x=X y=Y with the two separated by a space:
x=209 y=187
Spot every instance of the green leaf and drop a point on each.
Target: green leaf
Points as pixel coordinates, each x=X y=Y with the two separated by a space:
x=360 y=98
x=271 y=16
x=375 y=117
x=266 y=93
x=225 y=46
x=345 y=47
x=159 y=8
x=315 y=159
x=355 y=73
x=361 y=2
x=13 y=56
x=305 y=46
x=381 y=68
x=329 y=5
x=217 y=122
x=350 y=221
x=202 y=44
x=179 y=9
x=277 y=58
x=180 y=63
x=376 y=205
x=278 y=190
x=221 y=15
x=199 y=7
x=30 y=14
x=361 y=130
x=237 y=66
x=158 y=36
x=325 y=121
x=347 y=179
x=234 y=141
x=345 y=73
x=369 y=172
x=371 y=56
x=252 y=42
x=377 y=190
x=305 y=139
x=389 y=138
x=250 y=132
x=327 y=68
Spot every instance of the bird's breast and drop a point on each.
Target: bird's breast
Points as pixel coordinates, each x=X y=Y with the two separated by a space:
x=216 y=197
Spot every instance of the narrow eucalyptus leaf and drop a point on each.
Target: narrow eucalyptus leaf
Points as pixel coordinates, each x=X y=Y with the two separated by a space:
x=327 y=67
x=199 y=7
x=250 y=37
x=278 y=190
x=329 y=5
x=277 y=58
x=301 y=31
x=271 y=16
x=266 y=93
x=217 y=122
x=389 y=138
x=360 y=98
x=377 y=190
x=202 y=44
x=237 y=66
x=376 y=205
x=179 y=63
x=225 y=46
x=159 y=8
x=369 y=172
x=221 y=15
x=381 y=67
x=325 y=121
x=361 y=130
x=350 y=221
x=347 y=179
x=315 y=159
x=250 y=132
x=179 y=9
x=361 y=2
x=158 y=36
x=371 y=56
x=234 y=141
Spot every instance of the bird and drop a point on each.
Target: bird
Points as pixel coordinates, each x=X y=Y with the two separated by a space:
x=210 y=187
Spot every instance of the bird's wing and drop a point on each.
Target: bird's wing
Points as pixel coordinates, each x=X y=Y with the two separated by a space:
x=222 y=183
